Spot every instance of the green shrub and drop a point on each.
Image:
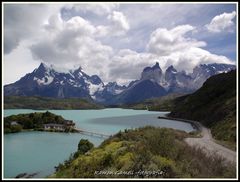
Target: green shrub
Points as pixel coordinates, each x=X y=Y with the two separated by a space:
x=16 y=128
x=84 y=146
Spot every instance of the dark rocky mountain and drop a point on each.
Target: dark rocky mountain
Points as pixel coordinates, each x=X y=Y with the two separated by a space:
x=155 y=83
x=153 y=73
x=139 y=91
x=182 y=82
x=177 y=82
x=45 y=81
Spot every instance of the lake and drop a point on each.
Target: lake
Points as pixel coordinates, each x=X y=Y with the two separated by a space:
x=39 y=152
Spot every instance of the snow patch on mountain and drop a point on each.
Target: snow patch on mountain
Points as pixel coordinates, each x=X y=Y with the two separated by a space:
x=44 y=81
x=93 y=88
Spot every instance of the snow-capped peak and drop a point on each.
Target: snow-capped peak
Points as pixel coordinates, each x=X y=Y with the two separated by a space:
x=47 y=74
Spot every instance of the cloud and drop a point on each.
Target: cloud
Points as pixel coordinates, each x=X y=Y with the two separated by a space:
x=188 y=59
x=73 y=43
x=222 y=22
x=119 y=22
x=176 y=47
x=113 y=41
x=164 y=42
x=23 y=21
x=98 y=9
x=127 y=65
x=118 y=25
x=54 y=23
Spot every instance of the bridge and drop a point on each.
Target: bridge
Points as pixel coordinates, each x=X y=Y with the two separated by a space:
x=96 y=134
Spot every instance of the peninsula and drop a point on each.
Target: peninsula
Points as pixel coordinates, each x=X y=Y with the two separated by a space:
x=39 y=121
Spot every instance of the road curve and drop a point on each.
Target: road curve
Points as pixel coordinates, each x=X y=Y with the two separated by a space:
x=207 y=143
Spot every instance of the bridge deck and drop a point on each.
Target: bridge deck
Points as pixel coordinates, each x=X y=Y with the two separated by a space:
x=102 y=135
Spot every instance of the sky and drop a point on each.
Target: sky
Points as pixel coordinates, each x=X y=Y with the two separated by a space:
x=116 y=40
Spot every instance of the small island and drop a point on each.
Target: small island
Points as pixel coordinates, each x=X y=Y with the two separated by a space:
x=37 y=121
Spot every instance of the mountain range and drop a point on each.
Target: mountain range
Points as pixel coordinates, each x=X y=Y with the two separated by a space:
x=45 y=81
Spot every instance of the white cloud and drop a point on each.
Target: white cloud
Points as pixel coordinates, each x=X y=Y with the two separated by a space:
x=110 y=21
x=164 y=42
x=79 y=25
x=73 y=43
x=54 y=23
x=175 y=47
x=118 y=25
x=188 y=59
x=127 y=65
x=98 y=9
x=119 y=21
x=24 y=21
x=223 y=22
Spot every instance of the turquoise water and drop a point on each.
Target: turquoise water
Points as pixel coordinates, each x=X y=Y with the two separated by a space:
x=39 y=152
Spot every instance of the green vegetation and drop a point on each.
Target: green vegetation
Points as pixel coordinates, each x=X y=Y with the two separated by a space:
x=12 y=128
x=214 y=105
x=144 y=153
x=83 y=147
x=23 y=102
x=164 y=103
x=33 y=121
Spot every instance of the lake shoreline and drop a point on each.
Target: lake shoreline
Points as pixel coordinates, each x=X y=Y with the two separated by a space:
x=195 y=124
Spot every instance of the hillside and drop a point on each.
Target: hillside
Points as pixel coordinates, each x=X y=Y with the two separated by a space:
x=214 y=105
x=164 y=103
x=142 y=153
x=23 y=102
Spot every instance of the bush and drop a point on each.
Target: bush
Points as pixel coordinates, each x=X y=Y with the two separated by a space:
x=84 y=146
x=16 y=128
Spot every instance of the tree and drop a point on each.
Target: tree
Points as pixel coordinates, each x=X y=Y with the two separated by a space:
x=47 y=113
x=16 y=128
x=84 y=146
x=31 y=115
x=57 y=119
x=28 y=124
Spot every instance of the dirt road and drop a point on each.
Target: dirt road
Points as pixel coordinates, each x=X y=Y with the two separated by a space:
x=208 y=144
